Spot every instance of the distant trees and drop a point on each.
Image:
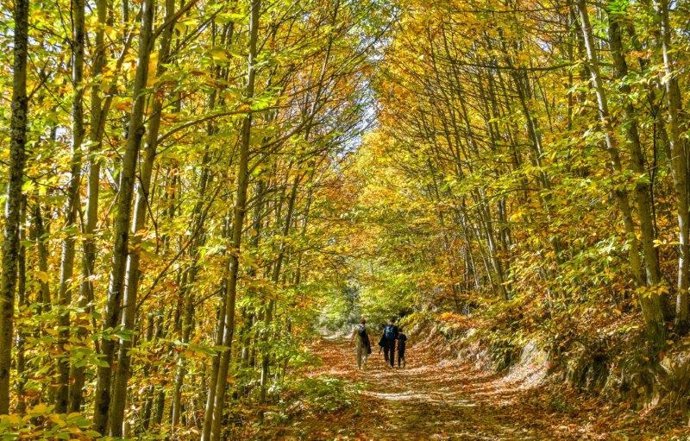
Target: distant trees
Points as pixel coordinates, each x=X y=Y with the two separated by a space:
x=548 y=139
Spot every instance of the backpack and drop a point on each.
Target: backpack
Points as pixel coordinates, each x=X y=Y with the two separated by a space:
x=389 y=332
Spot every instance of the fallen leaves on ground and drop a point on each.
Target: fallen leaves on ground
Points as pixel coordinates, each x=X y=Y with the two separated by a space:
x=435 y=399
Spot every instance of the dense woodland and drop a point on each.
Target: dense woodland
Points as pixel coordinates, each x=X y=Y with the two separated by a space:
x=195 y=189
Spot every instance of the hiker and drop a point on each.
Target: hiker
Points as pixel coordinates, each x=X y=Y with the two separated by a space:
x=362 y=343
x=387 y=342
x=402 y=338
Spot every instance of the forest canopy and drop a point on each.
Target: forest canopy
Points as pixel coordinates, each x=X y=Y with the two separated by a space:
x=195 y=190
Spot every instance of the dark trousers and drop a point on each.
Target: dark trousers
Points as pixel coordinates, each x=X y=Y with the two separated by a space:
x=389 y=352
x=401 y=357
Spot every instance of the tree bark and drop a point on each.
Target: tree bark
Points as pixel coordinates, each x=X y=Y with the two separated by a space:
x=257 y=224
x=77 y=374
x=39 y=236
x=15 y=171
x=275 y=278
x=228 y=316
x=642 y=186
x=679 y=158
x=651 y=306
x=72 y=206
x=23 y=302
x=131 y=286
x=122 y=221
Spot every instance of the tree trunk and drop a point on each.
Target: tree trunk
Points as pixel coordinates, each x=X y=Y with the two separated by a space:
x=275 y=278
x=72 y=206
x=39 y=235
x=228 y=316
x=145 y=421
x=642 y=186
x=23 y=304
x=257 y=224
x=651 y=306
x=679 y=158
x=77 y=374
x=131 y=286
x=215 y=366
x=122 y=221
x=15 y=171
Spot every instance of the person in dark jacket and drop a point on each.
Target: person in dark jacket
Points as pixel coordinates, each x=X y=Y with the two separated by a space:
x=390 y=334
x=402 y=339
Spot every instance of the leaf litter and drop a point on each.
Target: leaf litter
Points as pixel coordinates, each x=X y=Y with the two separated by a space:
x=437 y=398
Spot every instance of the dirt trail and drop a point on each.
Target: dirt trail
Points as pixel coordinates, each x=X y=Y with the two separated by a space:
x=432 y=399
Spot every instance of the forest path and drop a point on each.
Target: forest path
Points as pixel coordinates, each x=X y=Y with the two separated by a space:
x=434 y=399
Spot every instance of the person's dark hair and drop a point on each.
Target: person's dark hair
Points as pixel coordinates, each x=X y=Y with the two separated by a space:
x=363 y=321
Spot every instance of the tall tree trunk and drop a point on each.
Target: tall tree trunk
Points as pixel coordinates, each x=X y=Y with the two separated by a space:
x=186 y=291
x=139 y=221
x=215 y=367
x=23 y=302
x=72 y=206
x=15 y=171
x=257 y=224
x=77 y=373
x=651 y=306
x=275 y=278
x=642 y=186
x=122 y=220
x=228 y=316
x=679 y=158
x=150 y=389
x=39 y=235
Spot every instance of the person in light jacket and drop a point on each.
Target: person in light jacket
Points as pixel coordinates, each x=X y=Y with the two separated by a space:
x=362 y=343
